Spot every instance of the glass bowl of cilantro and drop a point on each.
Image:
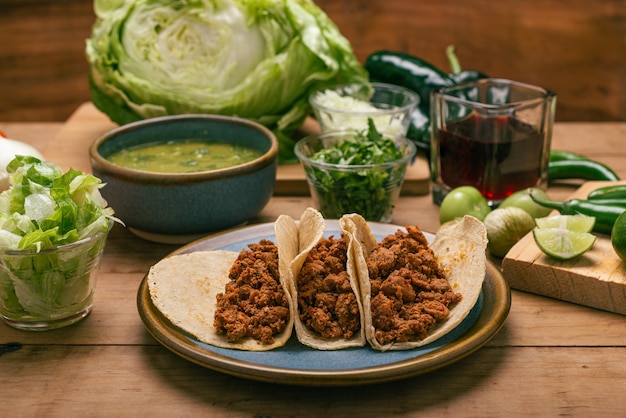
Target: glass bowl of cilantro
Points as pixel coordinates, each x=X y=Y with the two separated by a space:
x=53 y=230
x=355 y=171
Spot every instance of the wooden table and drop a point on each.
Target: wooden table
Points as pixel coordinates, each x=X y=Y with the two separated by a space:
x=551 y=358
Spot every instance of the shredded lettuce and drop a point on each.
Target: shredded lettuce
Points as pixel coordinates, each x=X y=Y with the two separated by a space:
x=45 y=208
x=256 y=59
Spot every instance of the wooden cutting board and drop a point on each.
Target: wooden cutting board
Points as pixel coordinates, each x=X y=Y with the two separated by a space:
x=72 y=142
x=597 y=279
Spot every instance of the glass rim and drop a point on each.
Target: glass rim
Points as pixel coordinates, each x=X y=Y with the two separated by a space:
x=413 y=99
x=351 y=132
x=80 y=242
x=543 y=94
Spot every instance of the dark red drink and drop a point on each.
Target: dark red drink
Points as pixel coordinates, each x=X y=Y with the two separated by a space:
x=497 y=155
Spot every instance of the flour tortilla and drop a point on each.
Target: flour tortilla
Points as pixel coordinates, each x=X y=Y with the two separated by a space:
x=184 y=288
x=310 y=230
x=460 y=249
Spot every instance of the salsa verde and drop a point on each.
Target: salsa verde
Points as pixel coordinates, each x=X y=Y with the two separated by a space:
x=187 y=156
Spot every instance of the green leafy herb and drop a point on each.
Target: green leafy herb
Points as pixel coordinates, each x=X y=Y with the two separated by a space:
x=366 y=180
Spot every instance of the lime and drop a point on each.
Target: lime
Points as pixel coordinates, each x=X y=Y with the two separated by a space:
x=563 y=244
x=618 y=236
x=576 y=223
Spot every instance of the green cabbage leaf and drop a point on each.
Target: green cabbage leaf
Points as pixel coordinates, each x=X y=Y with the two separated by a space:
x=255 y=59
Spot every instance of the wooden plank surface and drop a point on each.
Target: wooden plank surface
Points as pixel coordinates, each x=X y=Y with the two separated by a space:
x=494 y=382
x=70 y=147
x=597 y=279
x=551 y=358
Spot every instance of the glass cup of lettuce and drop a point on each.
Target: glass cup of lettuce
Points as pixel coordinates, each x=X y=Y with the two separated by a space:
x=355 y=171
x=53 y=230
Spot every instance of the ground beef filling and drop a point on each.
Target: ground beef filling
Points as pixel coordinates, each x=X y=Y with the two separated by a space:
x=410 y=293
x=254 y=303
x=326 y=302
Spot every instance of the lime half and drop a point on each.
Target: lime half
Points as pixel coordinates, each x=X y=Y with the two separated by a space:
x=576 y=223
x=563 y=244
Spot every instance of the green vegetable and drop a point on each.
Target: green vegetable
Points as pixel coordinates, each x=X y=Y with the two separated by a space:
x=605 y=214
x=368 y=191
x=616 y=192
x=254 y=59
x=571 y=165
x=521 y=199
x=560 y=155
x=619 y=202
x=461 y=201
x=45 y=208
x=580 y=169
x=618 y=236
x=506 y=226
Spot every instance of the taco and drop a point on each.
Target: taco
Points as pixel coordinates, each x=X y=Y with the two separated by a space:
x=413 y=292
x=228 y=299
x=326 y=301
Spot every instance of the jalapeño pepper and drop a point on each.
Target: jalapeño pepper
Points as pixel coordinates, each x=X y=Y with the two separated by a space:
x=560 y=155
x=608 y=193
x=571 y=165
x=605 y=214
x=580 y=169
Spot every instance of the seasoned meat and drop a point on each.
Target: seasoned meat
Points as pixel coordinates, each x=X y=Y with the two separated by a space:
x=410 y=293
x=326 y=302
x=254 y=303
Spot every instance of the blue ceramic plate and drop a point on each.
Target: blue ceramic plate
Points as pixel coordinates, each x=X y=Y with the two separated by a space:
x=295 y=363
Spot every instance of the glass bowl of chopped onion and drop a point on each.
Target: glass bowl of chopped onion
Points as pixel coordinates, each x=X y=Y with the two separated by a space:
x=349 y=106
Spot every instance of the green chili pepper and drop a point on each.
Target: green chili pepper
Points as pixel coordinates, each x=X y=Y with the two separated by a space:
x=580 y=169
x=620 y=203
x=407 y=71
x=605 y=214
x=560 y=155
x=616 y=192
x=419 y=131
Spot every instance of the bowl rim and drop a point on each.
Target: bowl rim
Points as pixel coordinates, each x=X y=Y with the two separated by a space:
x=397 y=139
x=415 y=99
x=266 y=159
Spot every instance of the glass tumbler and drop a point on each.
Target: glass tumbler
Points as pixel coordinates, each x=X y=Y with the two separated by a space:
x=493 y=134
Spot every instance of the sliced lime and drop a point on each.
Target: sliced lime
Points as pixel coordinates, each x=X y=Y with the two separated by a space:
x=563 y=244
x=576 y=223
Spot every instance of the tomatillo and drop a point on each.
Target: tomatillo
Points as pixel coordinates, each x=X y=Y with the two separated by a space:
x=461 y=201
x=506 y=226
x=521 y=199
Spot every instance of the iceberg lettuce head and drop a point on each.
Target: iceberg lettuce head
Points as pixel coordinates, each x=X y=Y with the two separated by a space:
x=256 y=59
